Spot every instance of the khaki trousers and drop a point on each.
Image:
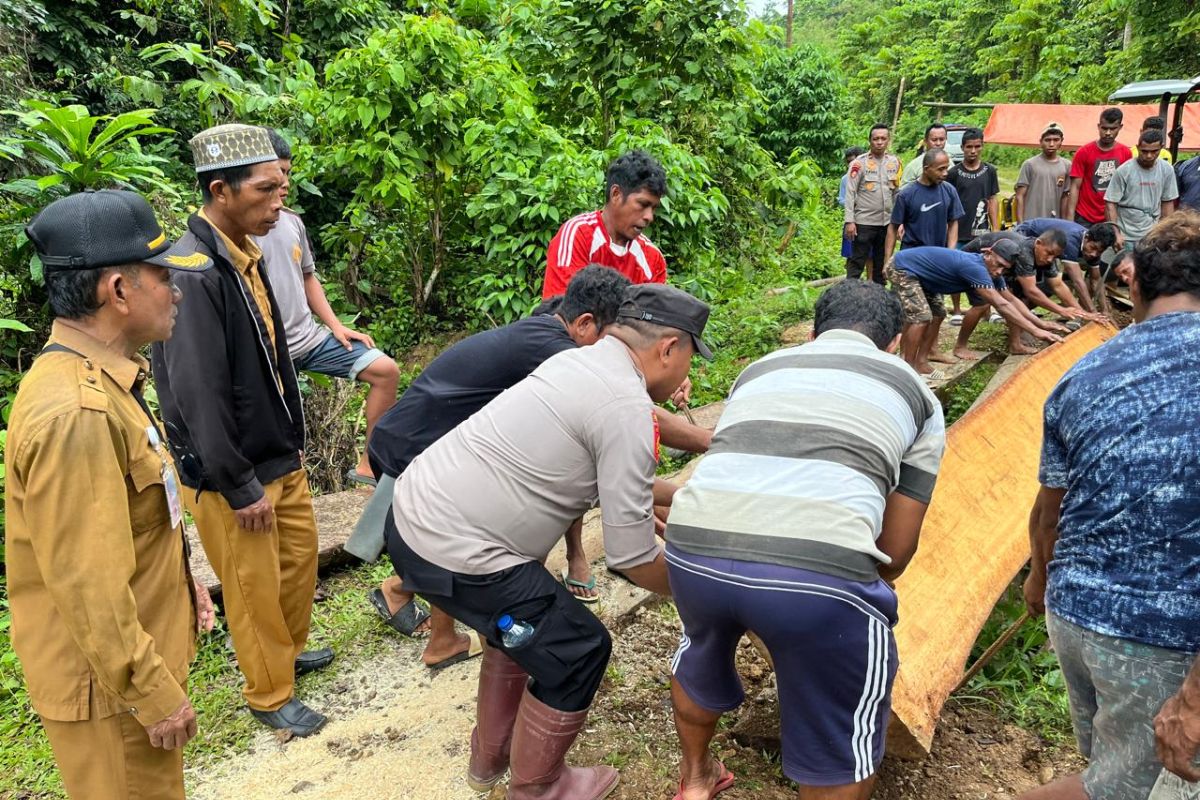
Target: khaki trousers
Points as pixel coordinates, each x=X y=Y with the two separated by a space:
x=111 y=759
x=267 y=582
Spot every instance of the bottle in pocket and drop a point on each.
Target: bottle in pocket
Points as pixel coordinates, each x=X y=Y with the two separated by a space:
x=514 y=632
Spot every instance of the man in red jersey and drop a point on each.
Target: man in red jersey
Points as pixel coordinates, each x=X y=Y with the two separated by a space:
x=612 y=237
x=1093 y=167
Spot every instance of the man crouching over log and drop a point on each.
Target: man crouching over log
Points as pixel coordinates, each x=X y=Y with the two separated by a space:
x=478 y=511
x=809 y=500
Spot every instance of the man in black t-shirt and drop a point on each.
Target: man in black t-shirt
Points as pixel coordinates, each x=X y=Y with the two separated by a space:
x=1031 y=277
x=978 y=186
x=455 y=385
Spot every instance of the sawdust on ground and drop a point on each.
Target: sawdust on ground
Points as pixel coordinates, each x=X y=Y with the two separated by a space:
x=398 y=732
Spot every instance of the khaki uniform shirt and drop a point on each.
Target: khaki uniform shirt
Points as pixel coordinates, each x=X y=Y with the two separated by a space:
x=501 y=488
x=97 y=576
x=871 y=187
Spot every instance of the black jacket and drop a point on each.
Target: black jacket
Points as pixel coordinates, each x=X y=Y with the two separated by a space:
x=230 y=426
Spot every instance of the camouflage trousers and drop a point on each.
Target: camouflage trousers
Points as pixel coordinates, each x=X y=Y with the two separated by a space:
x=919 y=304
x=1116 y=687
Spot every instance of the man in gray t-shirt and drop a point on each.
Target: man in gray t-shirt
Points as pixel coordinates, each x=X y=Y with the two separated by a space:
x=333 y=349
x=1044 y=180
x=1142 y=190
x=480 y=508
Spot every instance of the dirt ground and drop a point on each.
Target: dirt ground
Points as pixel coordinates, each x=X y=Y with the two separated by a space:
x=398 y=731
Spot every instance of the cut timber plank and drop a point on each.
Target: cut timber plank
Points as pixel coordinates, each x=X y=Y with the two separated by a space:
x=974 y=539
x=1006 y=370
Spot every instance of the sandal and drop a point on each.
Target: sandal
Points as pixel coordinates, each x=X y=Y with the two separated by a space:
x=724 y=782
x=589 y=584
x=354 y=476
x=406 y=620
x=473 y=650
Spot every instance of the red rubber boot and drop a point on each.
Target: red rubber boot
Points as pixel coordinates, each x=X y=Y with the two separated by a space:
x=541 y=738
x=501 y=685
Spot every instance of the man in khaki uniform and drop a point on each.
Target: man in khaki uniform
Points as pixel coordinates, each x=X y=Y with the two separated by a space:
x=231 y=404
x=872 y=181
x=98 y=580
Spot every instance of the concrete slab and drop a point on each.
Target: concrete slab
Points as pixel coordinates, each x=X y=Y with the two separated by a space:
x=1006 y=370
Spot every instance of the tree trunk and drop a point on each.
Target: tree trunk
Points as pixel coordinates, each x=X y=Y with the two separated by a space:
x=437 y=238
x=1127 y=36
x=791 y=13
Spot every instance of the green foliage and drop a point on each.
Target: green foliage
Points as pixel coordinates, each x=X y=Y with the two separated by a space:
x=806 y=108
x=1071 y=51
x=684 y=65
x=964 y=392
x=65 y=147
x=394 y=114
x=1023 y=682
x=228 y=82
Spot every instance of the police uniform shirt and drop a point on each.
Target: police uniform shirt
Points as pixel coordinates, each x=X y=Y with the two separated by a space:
x=871 y=189
x=501 y=488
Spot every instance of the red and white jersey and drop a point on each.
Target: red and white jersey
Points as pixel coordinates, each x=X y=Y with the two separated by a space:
x=582 y=240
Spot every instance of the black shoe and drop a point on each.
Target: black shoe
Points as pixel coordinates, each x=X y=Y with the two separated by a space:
x=313 y=660
x=294 y=716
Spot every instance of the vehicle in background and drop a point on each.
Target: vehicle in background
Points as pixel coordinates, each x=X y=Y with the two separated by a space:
x=1164 y=92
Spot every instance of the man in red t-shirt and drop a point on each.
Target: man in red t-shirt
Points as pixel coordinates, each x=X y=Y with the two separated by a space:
x=612 y=237
x=1093 y=168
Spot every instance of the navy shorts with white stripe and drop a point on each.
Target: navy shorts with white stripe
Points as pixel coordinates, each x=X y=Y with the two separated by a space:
x=832 y=644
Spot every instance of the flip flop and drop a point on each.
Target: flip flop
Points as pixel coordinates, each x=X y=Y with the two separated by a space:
x=589 y=584
x=474 y=650
x=936 y=375
x=724 y=782
x=406 y=620
x=354 y=476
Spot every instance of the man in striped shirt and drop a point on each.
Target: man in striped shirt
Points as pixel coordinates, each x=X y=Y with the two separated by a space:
x=634 y=185
x=810 y=499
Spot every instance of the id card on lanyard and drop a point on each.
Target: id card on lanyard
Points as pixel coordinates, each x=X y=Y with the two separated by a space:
x=170 y=482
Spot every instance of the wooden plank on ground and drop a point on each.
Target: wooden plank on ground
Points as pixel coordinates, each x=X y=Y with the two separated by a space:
x=974 y=539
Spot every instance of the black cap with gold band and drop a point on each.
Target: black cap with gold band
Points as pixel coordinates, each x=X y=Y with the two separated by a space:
x=106 y=228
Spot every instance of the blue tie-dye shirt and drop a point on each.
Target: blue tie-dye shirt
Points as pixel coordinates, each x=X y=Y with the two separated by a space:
x=1121 y=436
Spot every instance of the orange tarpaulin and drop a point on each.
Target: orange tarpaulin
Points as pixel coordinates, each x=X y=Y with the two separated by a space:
x=1022 y=124
x=974 y=540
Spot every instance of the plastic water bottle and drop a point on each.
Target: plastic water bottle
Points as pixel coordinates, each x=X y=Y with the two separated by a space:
x=514 y=632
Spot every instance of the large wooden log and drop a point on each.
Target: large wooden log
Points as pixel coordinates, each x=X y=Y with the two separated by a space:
x=975 y=538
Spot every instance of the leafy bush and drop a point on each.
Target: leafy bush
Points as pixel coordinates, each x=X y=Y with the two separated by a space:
x=65 y=147
x=806 y=106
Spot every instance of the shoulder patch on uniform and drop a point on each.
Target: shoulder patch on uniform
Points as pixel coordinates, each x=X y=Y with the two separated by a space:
x=92 y=396
x=855 y=167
